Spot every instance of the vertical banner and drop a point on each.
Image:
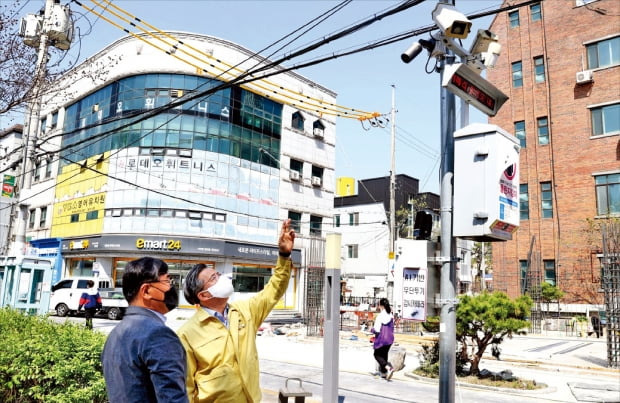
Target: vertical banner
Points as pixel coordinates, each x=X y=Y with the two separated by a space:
x=8 y=186
x=414 y=293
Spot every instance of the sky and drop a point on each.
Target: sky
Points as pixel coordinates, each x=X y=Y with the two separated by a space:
x=362 y=81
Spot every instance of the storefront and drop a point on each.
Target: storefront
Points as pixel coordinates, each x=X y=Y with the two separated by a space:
x=249 y=264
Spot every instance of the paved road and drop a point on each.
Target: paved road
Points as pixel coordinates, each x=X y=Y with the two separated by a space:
x=573 y=368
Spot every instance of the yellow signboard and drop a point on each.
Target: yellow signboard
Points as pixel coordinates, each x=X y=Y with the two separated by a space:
x=80 y=198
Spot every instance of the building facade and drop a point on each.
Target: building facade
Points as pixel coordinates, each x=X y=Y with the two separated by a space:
x=151 y=157
x=362 y=219
x=560 y=66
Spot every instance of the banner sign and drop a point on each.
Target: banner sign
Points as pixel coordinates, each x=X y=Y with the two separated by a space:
x=8 y=186
x=414 y=293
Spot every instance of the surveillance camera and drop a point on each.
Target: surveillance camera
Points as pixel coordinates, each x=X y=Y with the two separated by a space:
x=450 y=21
x=484 y=38
x=416 y=48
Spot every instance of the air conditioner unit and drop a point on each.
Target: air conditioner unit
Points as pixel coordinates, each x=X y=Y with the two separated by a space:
x=584 y=77
x=318 y=132
x=316 y=181
x=294 y=175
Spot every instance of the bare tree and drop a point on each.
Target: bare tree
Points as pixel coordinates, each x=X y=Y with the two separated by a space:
x=17 y=62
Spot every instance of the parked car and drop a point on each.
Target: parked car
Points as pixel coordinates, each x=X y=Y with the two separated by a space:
x=65 y=297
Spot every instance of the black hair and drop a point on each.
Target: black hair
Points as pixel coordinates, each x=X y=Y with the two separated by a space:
x=193 y=285
x=386 y=304
x=140 y=271
x=90 y=283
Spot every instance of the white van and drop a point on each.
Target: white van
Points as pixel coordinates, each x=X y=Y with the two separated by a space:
x=65 y=297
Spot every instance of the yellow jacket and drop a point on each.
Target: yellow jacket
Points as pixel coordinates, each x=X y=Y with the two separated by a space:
x=222 y=364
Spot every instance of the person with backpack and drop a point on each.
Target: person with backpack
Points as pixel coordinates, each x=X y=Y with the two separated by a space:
x=91 y=302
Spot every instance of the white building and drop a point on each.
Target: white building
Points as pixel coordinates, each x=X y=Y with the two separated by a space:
x=118 y=175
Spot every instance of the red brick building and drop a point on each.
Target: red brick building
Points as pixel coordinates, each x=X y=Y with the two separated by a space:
x=569 y=126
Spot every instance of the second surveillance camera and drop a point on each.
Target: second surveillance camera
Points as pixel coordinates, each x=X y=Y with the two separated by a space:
x=450 y=21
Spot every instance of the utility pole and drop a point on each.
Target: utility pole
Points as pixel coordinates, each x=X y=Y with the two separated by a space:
x=18 y=210
x=482 y=267
x=447 y=291
x=464 y=80
x=393 y=177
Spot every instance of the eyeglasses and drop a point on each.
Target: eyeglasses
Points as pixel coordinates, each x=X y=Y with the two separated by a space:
x=170 y=282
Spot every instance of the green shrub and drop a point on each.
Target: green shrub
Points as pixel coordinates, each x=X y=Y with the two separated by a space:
x=46 y=362
x=431 y=324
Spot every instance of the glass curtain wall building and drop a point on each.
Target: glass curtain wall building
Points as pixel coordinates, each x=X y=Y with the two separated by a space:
x=148 y=156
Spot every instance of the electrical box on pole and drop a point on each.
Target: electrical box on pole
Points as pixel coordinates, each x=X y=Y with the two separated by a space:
x=486 y=183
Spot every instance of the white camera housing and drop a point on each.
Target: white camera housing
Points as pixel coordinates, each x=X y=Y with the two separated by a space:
x=487 y=47
x=450 y=21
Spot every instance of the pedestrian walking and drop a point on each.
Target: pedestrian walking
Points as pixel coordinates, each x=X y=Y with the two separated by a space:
x=220 y=339
x=596 y=325
x=90 y=300
x=143 y=359
x=383 y=330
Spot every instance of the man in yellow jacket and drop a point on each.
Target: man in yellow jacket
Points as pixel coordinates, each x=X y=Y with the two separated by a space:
x=220 y=339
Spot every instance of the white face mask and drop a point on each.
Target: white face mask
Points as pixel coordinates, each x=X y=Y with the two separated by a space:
x=223 y=288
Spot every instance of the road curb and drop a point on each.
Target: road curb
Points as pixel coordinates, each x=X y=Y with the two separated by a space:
x=546 y=389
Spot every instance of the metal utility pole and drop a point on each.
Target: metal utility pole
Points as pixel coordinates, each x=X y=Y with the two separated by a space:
x=31 y=130
x=482 y=267
x=393 y=177
x=447 y=325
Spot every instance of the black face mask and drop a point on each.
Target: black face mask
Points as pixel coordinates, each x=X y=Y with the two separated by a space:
x=171 y=298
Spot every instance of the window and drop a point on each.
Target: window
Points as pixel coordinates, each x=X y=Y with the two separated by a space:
x=48 y=168
x=524 y=202
x=297 y=121
x=535 y=12
x=318 y=129
x=92 y=215
x=31 y=218
x=296 y=165
x=352 y=251
x=542 y=127
x=520 y=132
x=37 y=171
x=523 y=275
x=517 y=75
x=54 y=120
x=75 y=217
x=546 y=200
x=549 y=271
x=605 y=119
x=250 y=278
x=604 y=53
x=317 y=171
x=514 y=19
x=43 y=217
x=337 y=220
x=43 y=127
x=607 y=194
x=539 y=69
x=295 y=220
x=316 y=223
x=354 y=218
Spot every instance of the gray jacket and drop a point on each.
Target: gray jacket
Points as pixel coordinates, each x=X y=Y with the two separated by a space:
x=143 y=360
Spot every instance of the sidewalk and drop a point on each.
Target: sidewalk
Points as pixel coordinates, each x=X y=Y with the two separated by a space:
x=574 y=368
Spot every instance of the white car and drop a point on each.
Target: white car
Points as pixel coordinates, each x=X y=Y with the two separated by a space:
x=65 y=297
